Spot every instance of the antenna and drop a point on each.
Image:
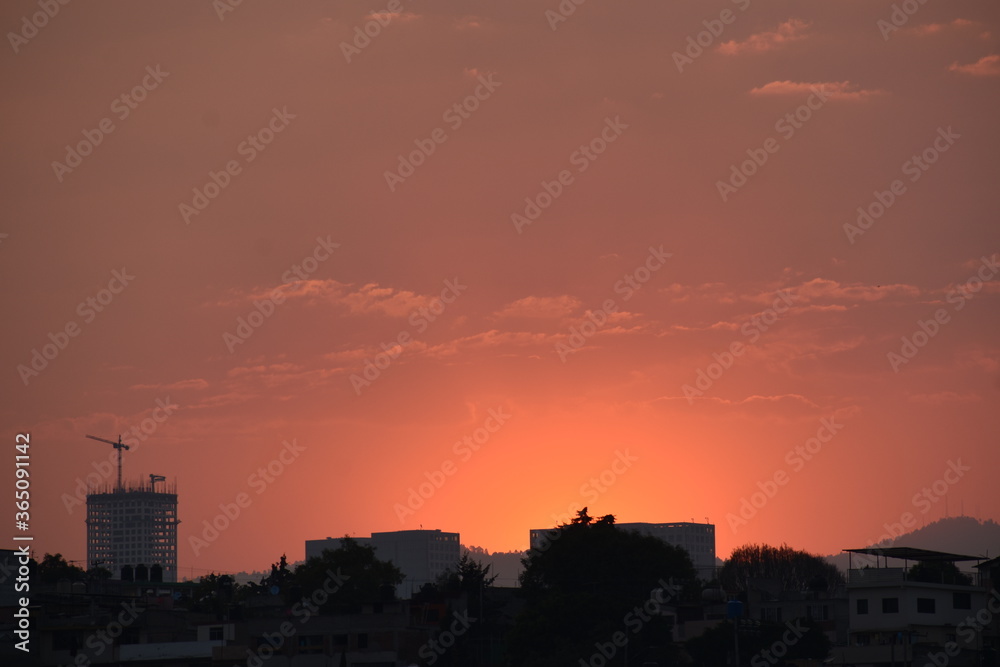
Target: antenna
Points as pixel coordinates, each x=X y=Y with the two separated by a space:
x=119 y=446
x=153 y=479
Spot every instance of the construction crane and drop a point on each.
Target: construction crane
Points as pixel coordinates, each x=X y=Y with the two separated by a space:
x=153 y=479
x=119 y=446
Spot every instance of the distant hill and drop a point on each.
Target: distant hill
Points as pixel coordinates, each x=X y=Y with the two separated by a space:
x=959 y=535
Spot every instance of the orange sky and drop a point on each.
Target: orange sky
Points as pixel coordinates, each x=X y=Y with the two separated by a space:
x=376 y=197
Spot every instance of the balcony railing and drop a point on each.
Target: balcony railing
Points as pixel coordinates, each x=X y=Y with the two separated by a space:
x=880 y=576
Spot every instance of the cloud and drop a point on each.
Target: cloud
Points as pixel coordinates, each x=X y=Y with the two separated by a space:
x=395 y=303
x=540 y=306
x=781 y=403
x=834 y=90
x=942 y=397
x=823 y=289
x=791 y=30
x=934 y=28
x=194 y=383
x=469 y=22
x=385 y=16
x=985 y=66
x=492 y=339
x=816 y=289
x=369 y=298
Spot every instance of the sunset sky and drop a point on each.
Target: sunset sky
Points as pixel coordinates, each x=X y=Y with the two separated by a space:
x=507 y=254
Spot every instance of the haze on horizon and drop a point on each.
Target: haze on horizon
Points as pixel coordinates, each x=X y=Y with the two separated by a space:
x=610 y=277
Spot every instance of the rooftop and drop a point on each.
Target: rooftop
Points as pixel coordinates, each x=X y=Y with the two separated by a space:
x=911 y=553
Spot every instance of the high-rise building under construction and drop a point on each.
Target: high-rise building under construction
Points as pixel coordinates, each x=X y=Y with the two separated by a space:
x=132 y=530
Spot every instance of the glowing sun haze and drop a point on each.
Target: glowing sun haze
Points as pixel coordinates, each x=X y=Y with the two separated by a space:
x=515 y=269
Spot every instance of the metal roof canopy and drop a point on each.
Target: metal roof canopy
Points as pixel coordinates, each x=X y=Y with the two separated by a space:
x=911 y=553
x=990 y=563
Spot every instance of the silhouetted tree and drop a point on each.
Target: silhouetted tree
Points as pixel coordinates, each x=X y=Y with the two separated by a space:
x=214 y=594
x=794 y=570
x=350 y=575
x=54 y=569
x=467 y=590
x=280 y=576
x=469 y=576
x=590 y=581
x=938 y=572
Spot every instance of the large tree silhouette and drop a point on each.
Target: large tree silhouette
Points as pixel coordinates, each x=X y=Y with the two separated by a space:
x=54 y=568
x=350 y=576
x=590 y=581
x=794 y=570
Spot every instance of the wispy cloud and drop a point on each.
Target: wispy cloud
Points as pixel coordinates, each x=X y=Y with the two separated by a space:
x=985 y=66
x=836 y=90
x=540 y=306
x=941 y=397
x=194 y=383
x=369 y=298
x=934 y=28
x=792 y=30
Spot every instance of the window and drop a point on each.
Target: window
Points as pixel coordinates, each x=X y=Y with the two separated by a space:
x=215 y=634
x=310 y=644
x=862 y=606
x=961 y=600
x=817 y=612
x=925 y=605
x=890 y=605
x=363 y=640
